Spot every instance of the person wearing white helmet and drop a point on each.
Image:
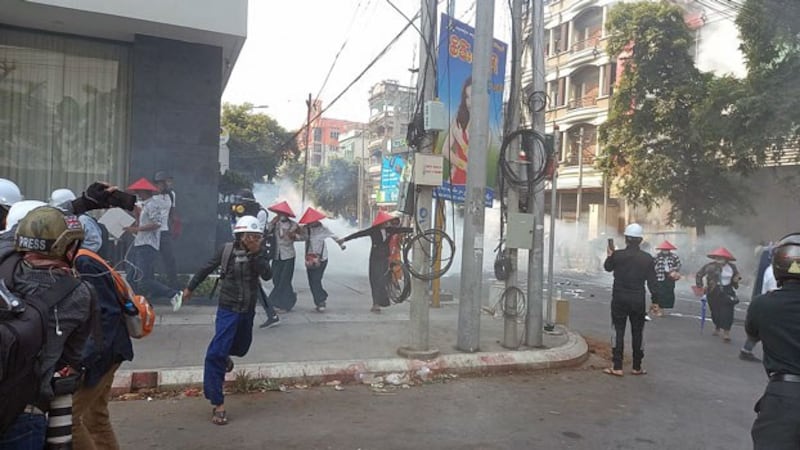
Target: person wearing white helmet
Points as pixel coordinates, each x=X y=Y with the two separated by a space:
x=9 y=194
x=19 y=210
x=632 y=268
x=93 y=235
x=243 y=264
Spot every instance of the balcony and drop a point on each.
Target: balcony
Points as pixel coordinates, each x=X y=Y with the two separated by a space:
x=582 y=102
x=592 y=42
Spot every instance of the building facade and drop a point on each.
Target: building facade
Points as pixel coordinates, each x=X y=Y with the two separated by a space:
x=97 y=90
x=323 y=140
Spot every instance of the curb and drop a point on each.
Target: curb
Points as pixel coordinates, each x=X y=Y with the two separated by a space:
x=574 y=352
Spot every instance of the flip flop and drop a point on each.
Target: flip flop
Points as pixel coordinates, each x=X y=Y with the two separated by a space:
x=219 y=417
x=639 y=372
x=611 y=371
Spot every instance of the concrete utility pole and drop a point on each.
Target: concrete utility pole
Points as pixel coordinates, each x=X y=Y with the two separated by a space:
x=469 y=308
x=419 y=347
x=510 y=337
x=533 y=319
x=552 y=240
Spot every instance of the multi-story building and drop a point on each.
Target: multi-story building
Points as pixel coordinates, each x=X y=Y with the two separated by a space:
x=323 y=141
x=580 y=79
x=117 y=90
x=391 y=107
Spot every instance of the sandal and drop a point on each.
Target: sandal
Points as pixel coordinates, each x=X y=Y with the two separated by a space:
x=639 y=372
x=219 y=417
x=229 y=365
x=614 y=372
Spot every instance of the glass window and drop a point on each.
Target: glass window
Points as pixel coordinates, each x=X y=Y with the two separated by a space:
x=317 y=134
x=64 y=111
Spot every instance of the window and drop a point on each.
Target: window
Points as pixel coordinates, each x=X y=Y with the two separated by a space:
x=317 y=134
x=64 y=111
x=335 y=135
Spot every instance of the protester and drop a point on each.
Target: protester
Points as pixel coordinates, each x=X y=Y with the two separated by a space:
x=285 y=231
x=9 y=194
x=245 y=204
x=767 y=283
x=380 y=233
x=314 y=233
x=47 y=241
x=91 y=424
x=774 y=318
x=632 y=268
x=722 y=280
x=668 y=268
x=146 y=244
x=166 y=202
x=93 y=234
x=19 y=210
x=242 y=263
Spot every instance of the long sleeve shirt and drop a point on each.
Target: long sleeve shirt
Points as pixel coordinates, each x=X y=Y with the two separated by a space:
x=632 y=268
x=774 y=318
x=315 y=240
x=284 y=231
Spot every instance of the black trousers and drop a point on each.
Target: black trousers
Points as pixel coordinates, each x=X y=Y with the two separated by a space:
x=168 y=259
x=777 y=426
x=621 y=312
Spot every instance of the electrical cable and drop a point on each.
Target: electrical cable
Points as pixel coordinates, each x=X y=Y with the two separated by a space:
x=338 y=53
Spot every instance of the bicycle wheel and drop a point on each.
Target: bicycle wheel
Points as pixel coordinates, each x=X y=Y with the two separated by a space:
x=438 y=251
x=398 y=283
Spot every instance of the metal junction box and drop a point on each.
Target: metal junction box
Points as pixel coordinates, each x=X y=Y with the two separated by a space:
x=520 y=231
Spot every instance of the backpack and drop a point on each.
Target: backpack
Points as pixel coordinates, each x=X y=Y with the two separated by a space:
x=138 y=313
x=23 y=334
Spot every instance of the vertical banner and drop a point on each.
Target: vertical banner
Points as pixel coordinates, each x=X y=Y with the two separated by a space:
x=454 y=82
x=391 y=172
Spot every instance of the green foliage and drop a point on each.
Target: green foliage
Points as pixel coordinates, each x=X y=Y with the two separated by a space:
x=335 y=186
x=258 y=144
x=666 y=136
x=769 y=113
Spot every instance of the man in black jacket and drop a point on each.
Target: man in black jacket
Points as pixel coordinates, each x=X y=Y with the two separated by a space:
x=774 y=318
x=243 y=264
x=632 y=267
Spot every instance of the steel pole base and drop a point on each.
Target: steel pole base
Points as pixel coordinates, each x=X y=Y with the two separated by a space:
x=422 y=355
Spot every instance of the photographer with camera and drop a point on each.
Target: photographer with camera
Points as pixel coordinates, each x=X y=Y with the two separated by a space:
x=45 y=372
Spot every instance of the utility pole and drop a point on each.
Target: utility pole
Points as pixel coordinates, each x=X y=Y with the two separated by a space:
x=510 y=335
x=305 y=158
x=469 y=308
x=419 y=322
x=552 y=240
x=533 y=319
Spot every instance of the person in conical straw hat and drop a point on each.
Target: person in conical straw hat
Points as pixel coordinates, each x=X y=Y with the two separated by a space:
x=380 y=234
x=314 y=233
x=668 y=268
x=284 y=231
x=722 y=279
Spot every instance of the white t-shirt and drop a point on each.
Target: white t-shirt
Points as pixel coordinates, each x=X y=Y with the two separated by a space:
x=769 y=283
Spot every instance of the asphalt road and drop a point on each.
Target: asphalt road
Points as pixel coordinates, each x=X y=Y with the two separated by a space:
x=697 y=395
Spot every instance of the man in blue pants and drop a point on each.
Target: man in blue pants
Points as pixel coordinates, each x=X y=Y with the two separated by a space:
x=243 y=264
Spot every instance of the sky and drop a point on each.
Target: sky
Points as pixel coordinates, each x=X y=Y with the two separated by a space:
x=291 y=45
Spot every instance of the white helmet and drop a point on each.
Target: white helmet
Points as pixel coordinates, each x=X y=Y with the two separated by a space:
x=634 y=230
x=19 y=210
x=9 y=192
x=247 y=224
x=61 y=196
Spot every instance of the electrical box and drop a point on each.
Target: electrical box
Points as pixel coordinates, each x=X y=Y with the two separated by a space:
x=428 y=169
x=519 y=231
x=434 y=116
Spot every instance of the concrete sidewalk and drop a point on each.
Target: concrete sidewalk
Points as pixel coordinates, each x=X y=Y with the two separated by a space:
x=344 y=343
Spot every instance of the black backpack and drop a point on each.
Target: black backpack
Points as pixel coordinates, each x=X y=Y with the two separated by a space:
x=23 y=333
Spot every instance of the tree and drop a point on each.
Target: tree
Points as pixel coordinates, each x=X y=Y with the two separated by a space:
x=335 y=186
x=258 y=144
x=769 y=113
x=665 y=138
